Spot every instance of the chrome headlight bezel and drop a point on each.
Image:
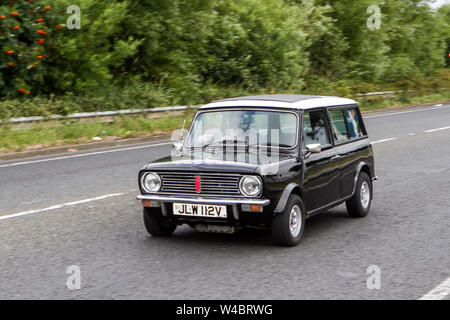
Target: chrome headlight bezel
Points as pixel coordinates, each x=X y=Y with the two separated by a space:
x=144 y=179
x=245 y=179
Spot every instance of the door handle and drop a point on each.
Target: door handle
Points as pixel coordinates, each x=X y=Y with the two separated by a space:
x=336 y=157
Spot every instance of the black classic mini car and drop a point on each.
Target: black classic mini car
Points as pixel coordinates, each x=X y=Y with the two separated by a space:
x=268 y=161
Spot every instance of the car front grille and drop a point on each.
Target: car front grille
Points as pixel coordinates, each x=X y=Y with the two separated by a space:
x=210 y=184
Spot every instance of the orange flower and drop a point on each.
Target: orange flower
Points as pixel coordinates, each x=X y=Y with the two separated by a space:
x=58 y=27
x=14 y=14
x=27 y=93
x=46 y=57
x=21 y=90
x=39 y=57
x=16 y=27
x=11 y=64
x=41 y=32
x=9 y=52
x=36 y=49
x=41 y=41
x=39 y=20
x=2 y=17
x=47 y=8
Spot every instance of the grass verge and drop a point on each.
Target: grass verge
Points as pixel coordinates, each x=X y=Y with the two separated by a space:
x=58 y=133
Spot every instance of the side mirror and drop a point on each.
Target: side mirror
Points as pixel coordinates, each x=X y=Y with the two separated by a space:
x=177 y=146
x=177 y=149
x=312 y=148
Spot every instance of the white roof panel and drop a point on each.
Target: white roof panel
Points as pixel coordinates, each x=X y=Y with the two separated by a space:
x=282 y=101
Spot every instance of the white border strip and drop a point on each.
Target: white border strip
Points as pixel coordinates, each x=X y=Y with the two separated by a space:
x=438 y=293
x=59 y=206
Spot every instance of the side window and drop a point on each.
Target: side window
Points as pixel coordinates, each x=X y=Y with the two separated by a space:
x=339 y=126
x=315 y=129
x=345 y=125
x=353 y=123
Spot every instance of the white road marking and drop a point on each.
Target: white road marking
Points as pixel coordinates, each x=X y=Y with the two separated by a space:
x=59 y=206
x=83 y=155
x=383 y=140
x=438 y=293
x=438 y=129
x=402 y=112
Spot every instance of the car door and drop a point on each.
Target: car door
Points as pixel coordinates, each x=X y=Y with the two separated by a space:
x=321 y=178
x=349 y=135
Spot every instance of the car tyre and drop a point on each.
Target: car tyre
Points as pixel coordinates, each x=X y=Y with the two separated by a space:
x=287 y=227
x=359 y=205
x=156 y=224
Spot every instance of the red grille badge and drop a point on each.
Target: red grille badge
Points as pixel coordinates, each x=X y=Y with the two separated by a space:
x=198 y=184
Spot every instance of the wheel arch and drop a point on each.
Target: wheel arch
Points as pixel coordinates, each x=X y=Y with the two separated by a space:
x=365 y=168
x=292 y=188
x=362 y=167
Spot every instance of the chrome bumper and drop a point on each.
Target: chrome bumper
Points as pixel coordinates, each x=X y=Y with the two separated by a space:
x=226 y=201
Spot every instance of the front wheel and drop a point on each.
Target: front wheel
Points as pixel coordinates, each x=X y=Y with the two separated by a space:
x=156 y=224
x=287 y=227
x=359 y=205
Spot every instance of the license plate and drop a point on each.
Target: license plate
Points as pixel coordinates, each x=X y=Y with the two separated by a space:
x=199 y=210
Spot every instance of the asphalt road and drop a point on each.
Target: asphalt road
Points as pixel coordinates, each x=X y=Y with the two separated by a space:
x=45 y=228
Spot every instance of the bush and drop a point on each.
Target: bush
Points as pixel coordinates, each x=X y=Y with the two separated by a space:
x=27 y=32
x=140 y=54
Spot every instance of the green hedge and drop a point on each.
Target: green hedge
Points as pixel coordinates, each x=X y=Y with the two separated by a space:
x=134 y=54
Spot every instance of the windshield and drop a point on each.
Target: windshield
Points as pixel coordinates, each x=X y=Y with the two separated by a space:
x=244 y=127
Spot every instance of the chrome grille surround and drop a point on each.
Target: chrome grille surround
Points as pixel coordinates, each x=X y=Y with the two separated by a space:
x=212 y=184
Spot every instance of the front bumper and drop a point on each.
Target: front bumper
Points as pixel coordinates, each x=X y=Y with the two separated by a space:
x=199 y=200
x=233 y=202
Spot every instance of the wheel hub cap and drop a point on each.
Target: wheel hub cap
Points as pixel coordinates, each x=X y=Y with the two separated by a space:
x=365 y=195
x=295 y=221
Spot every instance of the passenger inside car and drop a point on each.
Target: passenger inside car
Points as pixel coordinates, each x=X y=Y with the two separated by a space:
x=314 y=128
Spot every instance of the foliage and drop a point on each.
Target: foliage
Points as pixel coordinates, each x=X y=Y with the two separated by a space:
x=444 y=14
x=138 y=54
x=27 y=30
x=409 y=43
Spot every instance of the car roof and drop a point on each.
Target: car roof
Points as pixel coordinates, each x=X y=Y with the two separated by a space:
x=288 y=101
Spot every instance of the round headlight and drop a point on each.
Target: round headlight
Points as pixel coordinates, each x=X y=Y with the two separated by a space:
x=250 y=186
x=151 y=182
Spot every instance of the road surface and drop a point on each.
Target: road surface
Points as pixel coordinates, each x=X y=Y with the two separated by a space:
x=79 y=209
